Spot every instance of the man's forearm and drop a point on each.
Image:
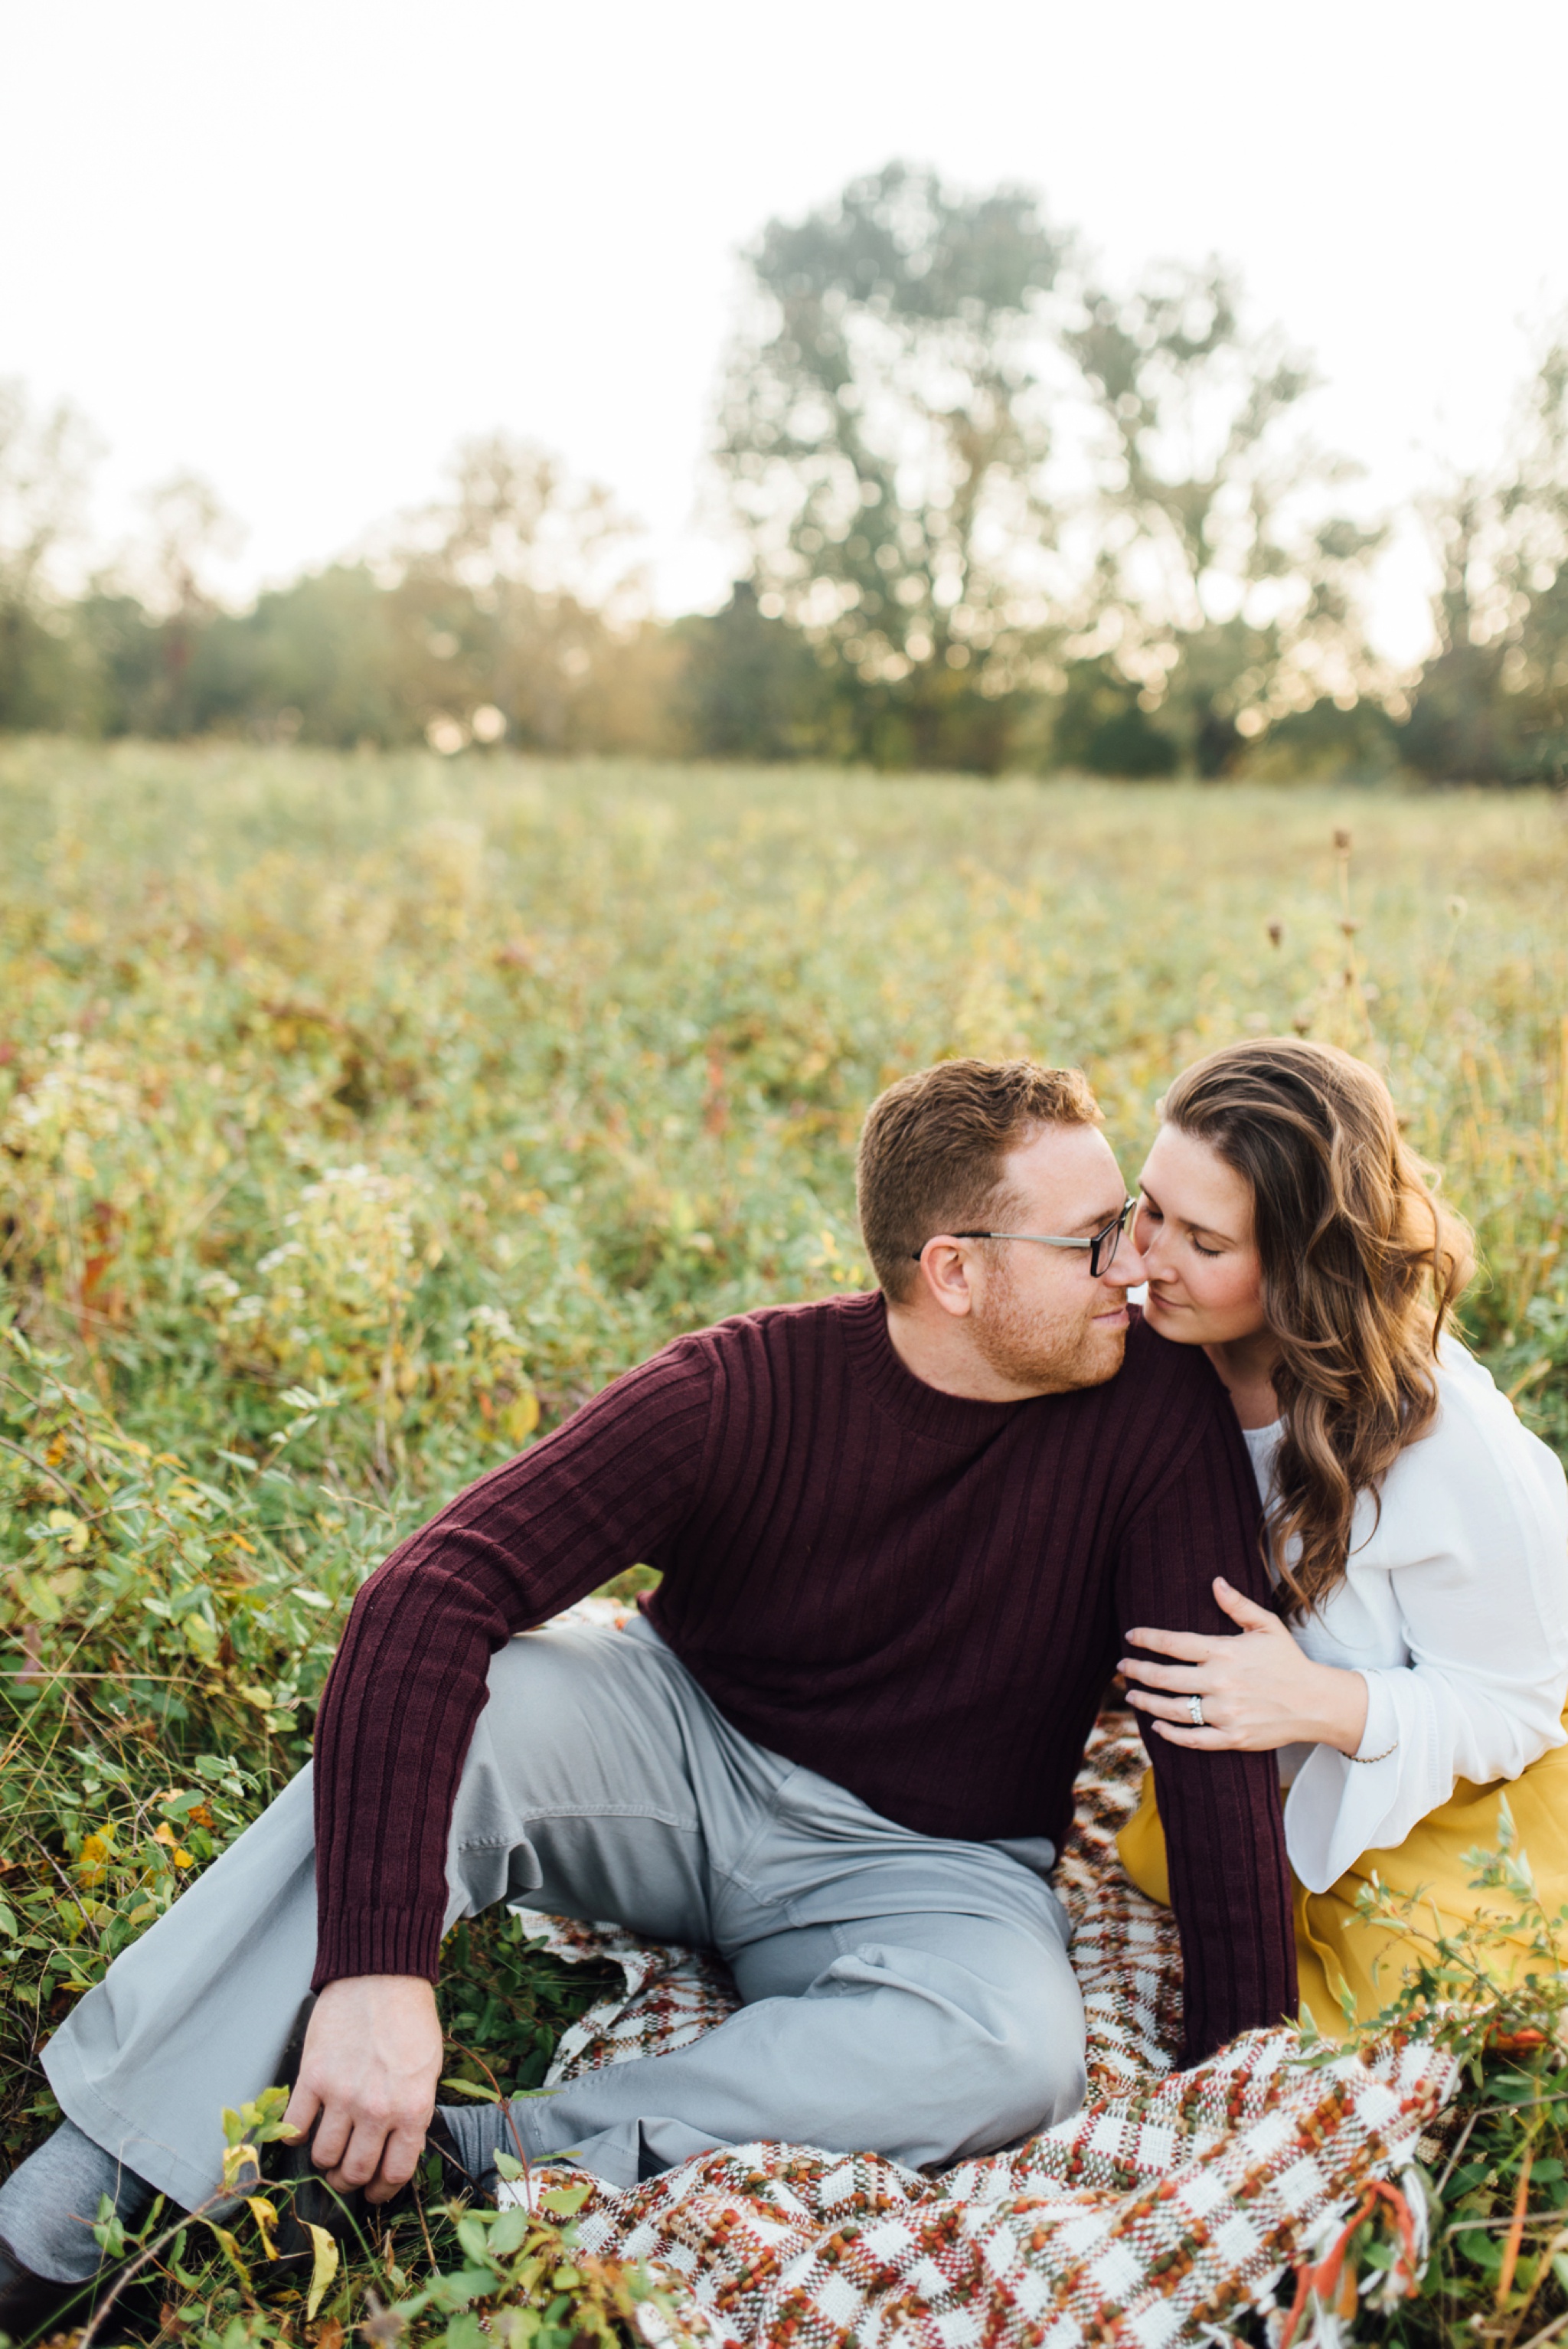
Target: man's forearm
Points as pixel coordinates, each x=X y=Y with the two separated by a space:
x=1230 y=1891
x=408 y=1684
x=1225 y=1830
x=406 y=1690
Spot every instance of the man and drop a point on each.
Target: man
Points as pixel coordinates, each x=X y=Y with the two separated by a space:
x=903 y=1537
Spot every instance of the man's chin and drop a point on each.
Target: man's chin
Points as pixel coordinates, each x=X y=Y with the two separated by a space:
x=1104 y=1353
x=1096 y=1358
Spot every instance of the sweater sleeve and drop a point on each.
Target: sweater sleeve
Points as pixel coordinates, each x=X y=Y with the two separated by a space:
x=1225 y=1831
x=606 y=1490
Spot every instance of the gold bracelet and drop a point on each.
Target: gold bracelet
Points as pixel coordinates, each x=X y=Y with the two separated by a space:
x=1375 y=1757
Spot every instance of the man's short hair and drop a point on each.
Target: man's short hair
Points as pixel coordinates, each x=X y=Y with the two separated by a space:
x=932 y=1151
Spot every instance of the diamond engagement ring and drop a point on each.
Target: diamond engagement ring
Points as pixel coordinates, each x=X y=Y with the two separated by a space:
x=1195 y=1707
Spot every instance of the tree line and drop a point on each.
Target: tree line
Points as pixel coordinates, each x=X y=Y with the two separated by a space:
x=997 y=513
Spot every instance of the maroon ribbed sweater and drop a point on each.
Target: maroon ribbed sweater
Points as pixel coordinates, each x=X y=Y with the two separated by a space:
x=920 y=1597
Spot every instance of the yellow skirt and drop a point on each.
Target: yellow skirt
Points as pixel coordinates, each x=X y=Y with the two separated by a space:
x=1335 y=1948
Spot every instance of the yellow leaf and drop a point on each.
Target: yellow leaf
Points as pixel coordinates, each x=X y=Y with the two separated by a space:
x=242 y=2166
x=164 y=1834
x=232 y=2248
x=323 y=2268
x=521 y=1418
x=266 y=2220
x=92 y=1858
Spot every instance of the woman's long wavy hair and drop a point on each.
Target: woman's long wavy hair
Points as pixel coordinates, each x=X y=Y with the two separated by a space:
x=1361 y=1264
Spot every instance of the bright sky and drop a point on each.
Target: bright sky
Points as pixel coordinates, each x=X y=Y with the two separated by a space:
x=302 y=246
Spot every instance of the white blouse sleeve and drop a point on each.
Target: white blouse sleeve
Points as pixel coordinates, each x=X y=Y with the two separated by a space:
x=1472 y=1554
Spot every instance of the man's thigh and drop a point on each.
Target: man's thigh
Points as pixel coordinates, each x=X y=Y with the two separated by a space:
x=1007 y=1960
x=601 y=1784
x=833 y=1901
x=824 y=1858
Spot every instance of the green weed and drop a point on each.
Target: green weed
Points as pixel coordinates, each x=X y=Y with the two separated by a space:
x=360 y=1116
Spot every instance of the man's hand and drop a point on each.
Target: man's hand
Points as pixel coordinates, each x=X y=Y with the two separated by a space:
x=367 y=2078
x=1259 y=1690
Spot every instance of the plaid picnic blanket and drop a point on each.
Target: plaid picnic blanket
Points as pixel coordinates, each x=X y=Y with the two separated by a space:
x=1171 y=2204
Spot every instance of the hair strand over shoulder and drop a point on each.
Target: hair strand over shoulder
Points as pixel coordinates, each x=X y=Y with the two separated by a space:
x=1361 y=1262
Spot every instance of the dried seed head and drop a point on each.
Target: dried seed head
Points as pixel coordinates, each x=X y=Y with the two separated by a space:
x=1349 y=927
x=1342 y=840
x=1302 y=1023
x=1276 y=932
x=1458 y=908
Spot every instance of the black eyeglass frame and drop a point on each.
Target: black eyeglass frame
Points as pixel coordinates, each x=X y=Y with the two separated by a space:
x=1100 y=1255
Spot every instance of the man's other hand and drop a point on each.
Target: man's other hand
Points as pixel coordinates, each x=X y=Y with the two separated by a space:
x=367 y=2080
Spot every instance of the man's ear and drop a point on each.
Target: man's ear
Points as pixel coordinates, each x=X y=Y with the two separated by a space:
x=944 y=1272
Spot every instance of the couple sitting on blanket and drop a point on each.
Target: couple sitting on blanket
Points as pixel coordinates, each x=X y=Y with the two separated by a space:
x=906 y=1541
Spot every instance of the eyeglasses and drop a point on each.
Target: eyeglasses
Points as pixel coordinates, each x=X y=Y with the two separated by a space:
x=1101 y=1248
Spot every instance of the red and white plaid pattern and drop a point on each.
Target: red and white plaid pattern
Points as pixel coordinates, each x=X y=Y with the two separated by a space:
x=1172 y=2202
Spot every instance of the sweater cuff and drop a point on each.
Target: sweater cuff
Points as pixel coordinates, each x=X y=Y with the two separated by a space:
x=377 y=1941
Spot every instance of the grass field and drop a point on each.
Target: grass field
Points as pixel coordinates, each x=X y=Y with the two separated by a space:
x=360 y=1116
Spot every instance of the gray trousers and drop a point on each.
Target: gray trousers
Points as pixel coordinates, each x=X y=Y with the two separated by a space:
x=903 y=1994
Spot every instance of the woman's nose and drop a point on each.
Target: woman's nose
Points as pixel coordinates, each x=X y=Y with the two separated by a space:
x=1127 y=1266
x=1146 y=1239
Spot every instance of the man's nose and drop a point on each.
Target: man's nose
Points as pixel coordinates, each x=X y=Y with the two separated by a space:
x=1127 y=1266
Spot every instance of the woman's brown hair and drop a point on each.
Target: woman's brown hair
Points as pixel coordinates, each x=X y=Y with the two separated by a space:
x=1361 y=1264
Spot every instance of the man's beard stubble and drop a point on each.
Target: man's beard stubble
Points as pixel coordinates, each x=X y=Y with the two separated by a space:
x=1051 y=1355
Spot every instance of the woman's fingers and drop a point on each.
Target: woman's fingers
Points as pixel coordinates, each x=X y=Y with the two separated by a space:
x=1244 y=1611
x=1166 y=1708
x=1188 y=1678
x=1186 y=1645
x=1202 y=1741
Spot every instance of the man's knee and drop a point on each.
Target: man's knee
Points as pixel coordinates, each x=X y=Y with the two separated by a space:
x=1038 y=2078
x=1025 y=2069
x=998 y=2049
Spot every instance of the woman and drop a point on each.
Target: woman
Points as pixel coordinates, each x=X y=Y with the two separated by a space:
x=1417 y=1533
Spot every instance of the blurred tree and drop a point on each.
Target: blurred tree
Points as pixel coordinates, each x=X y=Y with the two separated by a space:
x=883 y=433
x=317 y=659
x=1223 y=591
x=1491 y=703
x=45 y=463
x=516 y=593
x=751 y=687
x=507 y=610
x=188 y=528
x=1100 y=725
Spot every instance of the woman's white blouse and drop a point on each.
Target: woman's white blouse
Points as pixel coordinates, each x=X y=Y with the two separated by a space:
x=1453 y=1609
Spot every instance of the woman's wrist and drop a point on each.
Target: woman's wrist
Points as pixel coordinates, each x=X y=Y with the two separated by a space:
x=1344 y=1700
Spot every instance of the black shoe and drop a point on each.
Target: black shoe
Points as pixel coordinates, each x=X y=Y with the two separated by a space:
x=306 y=2198
x=34 y=2307
x=28 y=2304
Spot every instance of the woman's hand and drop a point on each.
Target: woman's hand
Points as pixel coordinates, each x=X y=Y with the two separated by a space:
x=1259 y=1690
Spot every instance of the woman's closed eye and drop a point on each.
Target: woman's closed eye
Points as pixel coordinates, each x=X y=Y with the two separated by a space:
x=1148 y=1212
